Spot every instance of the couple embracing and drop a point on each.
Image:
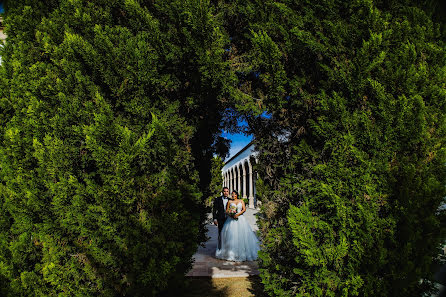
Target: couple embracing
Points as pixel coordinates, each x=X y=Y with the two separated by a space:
x=236 y=240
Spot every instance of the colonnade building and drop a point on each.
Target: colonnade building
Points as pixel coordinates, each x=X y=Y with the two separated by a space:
x=238 y=174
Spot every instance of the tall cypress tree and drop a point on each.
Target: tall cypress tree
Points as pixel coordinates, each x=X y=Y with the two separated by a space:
x=102 y=104
x=352 y=158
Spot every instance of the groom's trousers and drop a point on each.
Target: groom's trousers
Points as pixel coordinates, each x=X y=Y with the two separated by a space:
x=220 y=227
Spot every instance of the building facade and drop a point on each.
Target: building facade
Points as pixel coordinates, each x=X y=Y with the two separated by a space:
x=238 y=174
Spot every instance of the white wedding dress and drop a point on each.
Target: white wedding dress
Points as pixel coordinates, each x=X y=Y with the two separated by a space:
x=238 y=241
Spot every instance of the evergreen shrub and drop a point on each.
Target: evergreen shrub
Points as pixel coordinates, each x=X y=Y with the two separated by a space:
x=215 y=186
x=352 y=158
x=99 y=175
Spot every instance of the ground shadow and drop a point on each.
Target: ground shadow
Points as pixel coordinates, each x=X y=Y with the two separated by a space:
x=198 y=287
x=257 y=288
x=225 y=287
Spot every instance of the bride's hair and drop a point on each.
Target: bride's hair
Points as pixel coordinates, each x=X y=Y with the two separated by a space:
x=236 y=193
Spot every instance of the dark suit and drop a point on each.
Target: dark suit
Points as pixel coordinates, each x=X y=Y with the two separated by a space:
x=219 y=214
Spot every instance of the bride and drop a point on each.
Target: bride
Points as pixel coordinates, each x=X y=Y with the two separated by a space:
x=239 y=243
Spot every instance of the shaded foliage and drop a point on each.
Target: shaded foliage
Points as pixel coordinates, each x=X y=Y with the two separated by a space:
x=352 y=159
x=215 y=186
x=110 y=113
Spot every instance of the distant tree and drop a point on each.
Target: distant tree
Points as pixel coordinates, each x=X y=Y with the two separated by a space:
x=352 y=158
x=216 y=184
x=110 y=112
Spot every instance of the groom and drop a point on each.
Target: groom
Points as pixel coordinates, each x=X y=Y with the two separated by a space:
x=219 y=212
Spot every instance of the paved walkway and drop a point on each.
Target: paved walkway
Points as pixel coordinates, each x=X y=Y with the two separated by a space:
x=207 y=265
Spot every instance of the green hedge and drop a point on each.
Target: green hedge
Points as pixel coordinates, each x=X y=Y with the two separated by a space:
x=352 y=157
x=99 y=171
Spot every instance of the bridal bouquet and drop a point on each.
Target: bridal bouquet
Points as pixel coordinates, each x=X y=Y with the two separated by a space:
x=232 y=211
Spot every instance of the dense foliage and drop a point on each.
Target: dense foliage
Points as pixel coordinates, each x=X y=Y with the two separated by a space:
x=352 y=157
x=110 y=112
x=215 y=186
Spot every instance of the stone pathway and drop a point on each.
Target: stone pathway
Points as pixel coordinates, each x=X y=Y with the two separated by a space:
x=207 y=265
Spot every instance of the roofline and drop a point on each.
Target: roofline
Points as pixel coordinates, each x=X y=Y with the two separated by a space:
x=239 y=152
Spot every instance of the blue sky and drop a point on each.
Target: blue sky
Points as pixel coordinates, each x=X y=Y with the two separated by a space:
x=239 y=140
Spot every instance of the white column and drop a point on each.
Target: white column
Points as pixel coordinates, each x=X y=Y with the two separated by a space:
x=244 y=180
x=238 y=180
x=232 y=180
x=229 y=180
x=251 y=186
x=235 y=178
